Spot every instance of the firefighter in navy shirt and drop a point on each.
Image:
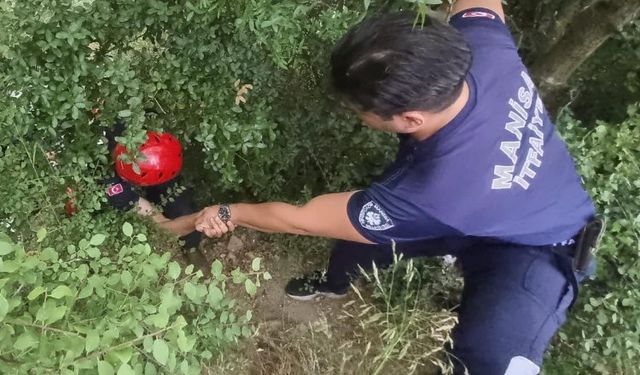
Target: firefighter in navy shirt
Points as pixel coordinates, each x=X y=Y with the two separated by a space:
x=480 y=173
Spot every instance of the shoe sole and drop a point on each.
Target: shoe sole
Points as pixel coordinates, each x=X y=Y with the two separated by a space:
x=312 y=296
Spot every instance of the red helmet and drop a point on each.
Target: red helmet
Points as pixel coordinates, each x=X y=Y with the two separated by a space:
x=163 y=160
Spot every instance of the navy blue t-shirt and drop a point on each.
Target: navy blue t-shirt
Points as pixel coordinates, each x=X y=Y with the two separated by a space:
x=498 y=170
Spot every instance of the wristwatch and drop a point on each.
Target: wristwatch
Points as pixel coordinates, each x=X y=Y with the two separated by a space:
x=224 y=213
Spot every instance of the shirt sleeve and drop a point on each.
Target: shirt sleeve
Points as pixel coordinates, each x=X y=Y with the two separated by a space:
x=386 y=218
x=482 y=28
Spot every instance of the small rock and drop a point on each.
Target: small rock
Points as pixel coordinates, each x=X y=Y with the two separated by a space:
x=235 y=244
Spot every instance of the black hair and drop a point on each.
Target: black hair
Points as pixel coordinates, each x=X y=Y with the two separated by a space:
x=388 y=64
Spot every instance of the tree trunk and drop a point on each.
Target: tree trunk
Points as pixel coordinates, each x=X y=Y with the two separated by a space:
x=582 y=36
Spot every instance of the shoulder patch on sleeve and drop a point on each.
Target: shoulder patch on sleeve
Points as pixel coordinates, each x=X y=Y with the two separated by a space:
x=478 y=13
x=373 y=217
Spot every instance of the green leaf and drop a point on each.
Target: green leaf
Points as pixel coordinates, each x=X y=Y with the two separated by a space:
x=35 y=293
x=150 y=369
x=85 y=292
x=5 y=248
x=25 y=341
x=41 y=234
x=60 y=292
x=105 y=368
x=141 y=237
x=216 y=269
x=125 y=369
x=188 y=270
x=9 y=266
x=49 y=254
x=126 y=278
x=174 y=270
x=238 y=276
x=124 y=113
x=194 y=292
x=4 y=307
x=49 y=312
x=180 y=322
x=255 y=264
x=93 y=252
x=97 y=239
x=160 y=351
x=248 y=315
x=122 y=355
x=127 y=229
x=250 y=287
x=184 y=367
x=92 y=341
x=224 y=317
x=147 y=344
x=159 y=320
x=266 y=276
x=215 y=296
x=183 y=343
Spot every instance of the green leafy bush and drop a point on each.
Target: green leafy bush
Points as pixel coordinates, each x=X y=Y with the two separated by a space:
x=227 y=77
x=112 y=304
x=604 y=335
x=242 y=84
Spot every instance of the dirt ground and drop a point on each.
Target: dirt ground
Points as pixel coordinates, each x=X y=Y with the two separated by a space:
x=281 y=322
x=271 y=305
x=324 y=336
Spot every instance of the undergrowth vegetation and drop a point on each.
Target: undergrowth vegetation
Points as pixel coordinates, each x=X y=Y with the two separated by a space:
x=243 y=85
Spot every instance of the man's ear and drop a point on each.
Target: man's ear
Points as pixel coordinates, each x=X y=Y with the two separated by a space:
x=412 y=120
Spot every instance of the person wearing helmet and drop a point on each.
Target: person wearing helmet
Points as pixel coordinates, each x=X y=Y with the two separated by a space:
x=162 y=160
x=158 y=179
x=480 y=173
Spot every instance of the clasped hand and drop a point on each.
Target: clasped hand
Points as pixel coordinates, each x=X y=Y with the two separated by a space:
x=209 y=223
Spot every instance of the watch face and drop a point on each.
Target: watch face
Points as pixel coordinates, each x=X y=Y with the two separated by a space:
x=224 y=213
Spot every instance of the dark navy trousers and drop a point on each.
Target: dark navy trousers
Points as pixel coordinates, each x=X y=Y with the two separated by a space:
x=514 y=299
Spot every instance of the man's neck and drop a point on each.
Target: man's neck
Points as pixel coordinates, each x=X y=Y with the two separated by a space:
x=443 y=118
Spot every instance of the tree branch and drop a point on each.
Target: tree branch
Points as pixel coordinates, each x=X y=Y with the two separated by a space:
x=586 y=32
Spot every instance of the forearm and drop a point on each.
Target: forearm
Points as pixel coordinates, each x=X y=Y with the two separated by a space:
x=180 y=226
x=274 y=217
x=323 y=216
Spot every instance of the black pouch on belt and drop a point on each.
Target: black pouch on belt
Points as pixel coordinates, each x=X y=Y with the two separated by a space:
x=587 y=242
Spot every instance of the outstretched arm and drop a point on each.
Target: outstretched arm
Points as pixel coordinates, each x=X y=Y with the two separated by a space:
x=323 y=216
